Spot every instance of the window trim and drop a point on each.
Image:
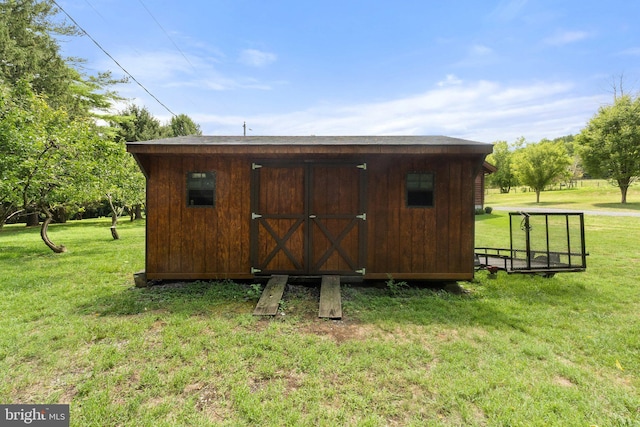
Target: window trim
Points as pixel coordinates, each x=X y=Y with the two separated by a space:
x=432 y=190
x=190 y=179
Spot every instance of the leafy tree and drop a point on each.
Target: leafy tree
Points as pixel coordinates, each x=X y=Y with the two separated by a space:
x=610 y=143
x=501 y=158
x=137 y=124
x=48 y=159
x=119 y=181
x=29 y=50
x=47 y=122
x=183 y=125
x=570 y=144
x=538 y=165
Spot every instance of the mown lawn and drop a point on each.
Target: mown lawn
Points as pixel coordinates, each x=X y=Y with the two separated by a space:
x=598 y=195
x=516 y=350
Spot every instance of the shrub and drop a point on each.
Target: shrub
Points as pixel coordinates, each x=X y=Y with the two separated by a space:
x=395 y=288
x=488 y=209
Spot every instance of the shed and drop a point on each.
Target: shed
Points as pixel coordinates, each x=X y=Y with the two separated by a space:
x=487 y=169
x=366 y=206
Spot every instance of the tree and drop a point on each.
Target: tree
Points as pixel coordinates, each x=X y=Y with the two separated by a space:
x=183 y=125
x=29 y=51
x=539 y=165
x=501 y=158
x=575 y=169
x=120 y=182
x=137 y=124
x=48 y=159
x=610 y=143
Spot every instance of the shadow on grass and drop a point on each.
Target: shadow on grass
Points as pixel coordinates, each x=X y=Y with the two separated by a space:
x=510 y=302
x=190 y=298
x=500 y=305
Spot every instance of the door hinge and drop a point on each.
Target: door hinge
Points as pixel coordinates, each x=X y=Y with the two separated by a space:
x=255 y=166
x=362 y=166
x=362 y=271
x=362 y=217
x=255 y=215
x=255 y=270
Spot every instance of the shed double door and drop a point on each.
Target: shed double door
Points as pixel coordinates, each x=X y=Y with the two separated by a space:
x=308 y=219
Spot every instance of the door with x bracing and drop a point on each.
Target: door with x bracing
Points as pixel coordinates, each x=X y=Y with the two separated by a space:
x=308 y=219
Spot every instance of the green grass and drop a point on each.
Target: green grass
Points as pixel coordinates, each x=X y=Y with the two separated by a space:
x=597 y=195
x=516 y=350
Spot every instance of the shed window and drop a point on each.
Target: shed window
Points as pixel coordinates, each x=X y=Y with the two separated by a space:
x=201 y=189
x=420 y=189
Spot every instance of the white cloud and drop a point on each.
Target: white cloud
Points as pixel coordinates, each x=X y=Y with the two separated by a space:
x=256 y=58
x=161 y=69
x=153 y=66
x=566 y=37
x=632 y=51
x=480 y=50
x=508 y=10
x=450 y=80
x=481 y=110
x=477 y=55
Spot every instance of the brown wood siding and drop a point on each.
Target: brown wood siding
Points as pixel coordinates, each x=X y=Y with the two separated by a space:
x=479 y=190
x=404 y=242
x=197 y=242
x=413 y=242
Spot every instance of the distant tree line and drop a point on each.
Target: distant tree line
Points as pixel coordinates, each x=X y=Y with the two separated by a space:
x=608 y=148
x=62 y=146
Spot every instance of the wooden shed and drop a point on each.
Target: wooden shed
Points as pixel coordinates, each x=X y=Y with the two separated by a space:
x=487 y=169
x=365 y=206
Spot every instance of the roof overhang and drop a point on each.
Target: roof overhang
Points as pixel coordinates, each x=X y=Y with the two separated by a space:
x=256 y=145
x=488 y=168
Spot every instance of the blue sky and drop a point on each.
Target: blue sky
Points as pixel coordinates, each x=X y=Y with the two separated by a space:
x=482 y=70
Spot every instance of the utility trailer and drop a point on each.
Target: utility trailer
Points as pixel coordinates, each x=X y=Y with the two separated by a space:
x=542 y=243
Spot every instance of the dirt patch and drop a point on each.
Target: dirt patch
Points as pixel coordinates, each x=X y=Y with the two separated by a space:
x=563 y=381
x=208 y=400
x=290 y=381
x=341 y=331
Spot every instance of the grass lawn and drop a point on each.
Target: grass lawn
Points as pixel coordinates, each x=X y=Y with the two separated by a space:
x=516 y=350
x=597 y=195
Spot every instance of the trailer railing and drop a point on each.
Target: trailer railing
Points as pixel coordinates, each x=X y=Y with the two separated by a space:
x=541 y=242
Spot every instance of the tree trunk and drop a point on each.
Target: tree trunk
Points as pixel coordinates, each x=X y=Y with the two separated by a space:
x=624 y=186
x=138 y=211
x=43 y=233
x=60 y=215
x=8 y=217
x=537 y=196
x=114 y=218
x=114 y=224
x=32 y=219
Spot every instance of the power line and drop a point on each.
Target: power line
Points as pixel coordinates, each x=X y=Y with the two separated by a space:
x=113 y=59
x=167 y=34
x=95 y=10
